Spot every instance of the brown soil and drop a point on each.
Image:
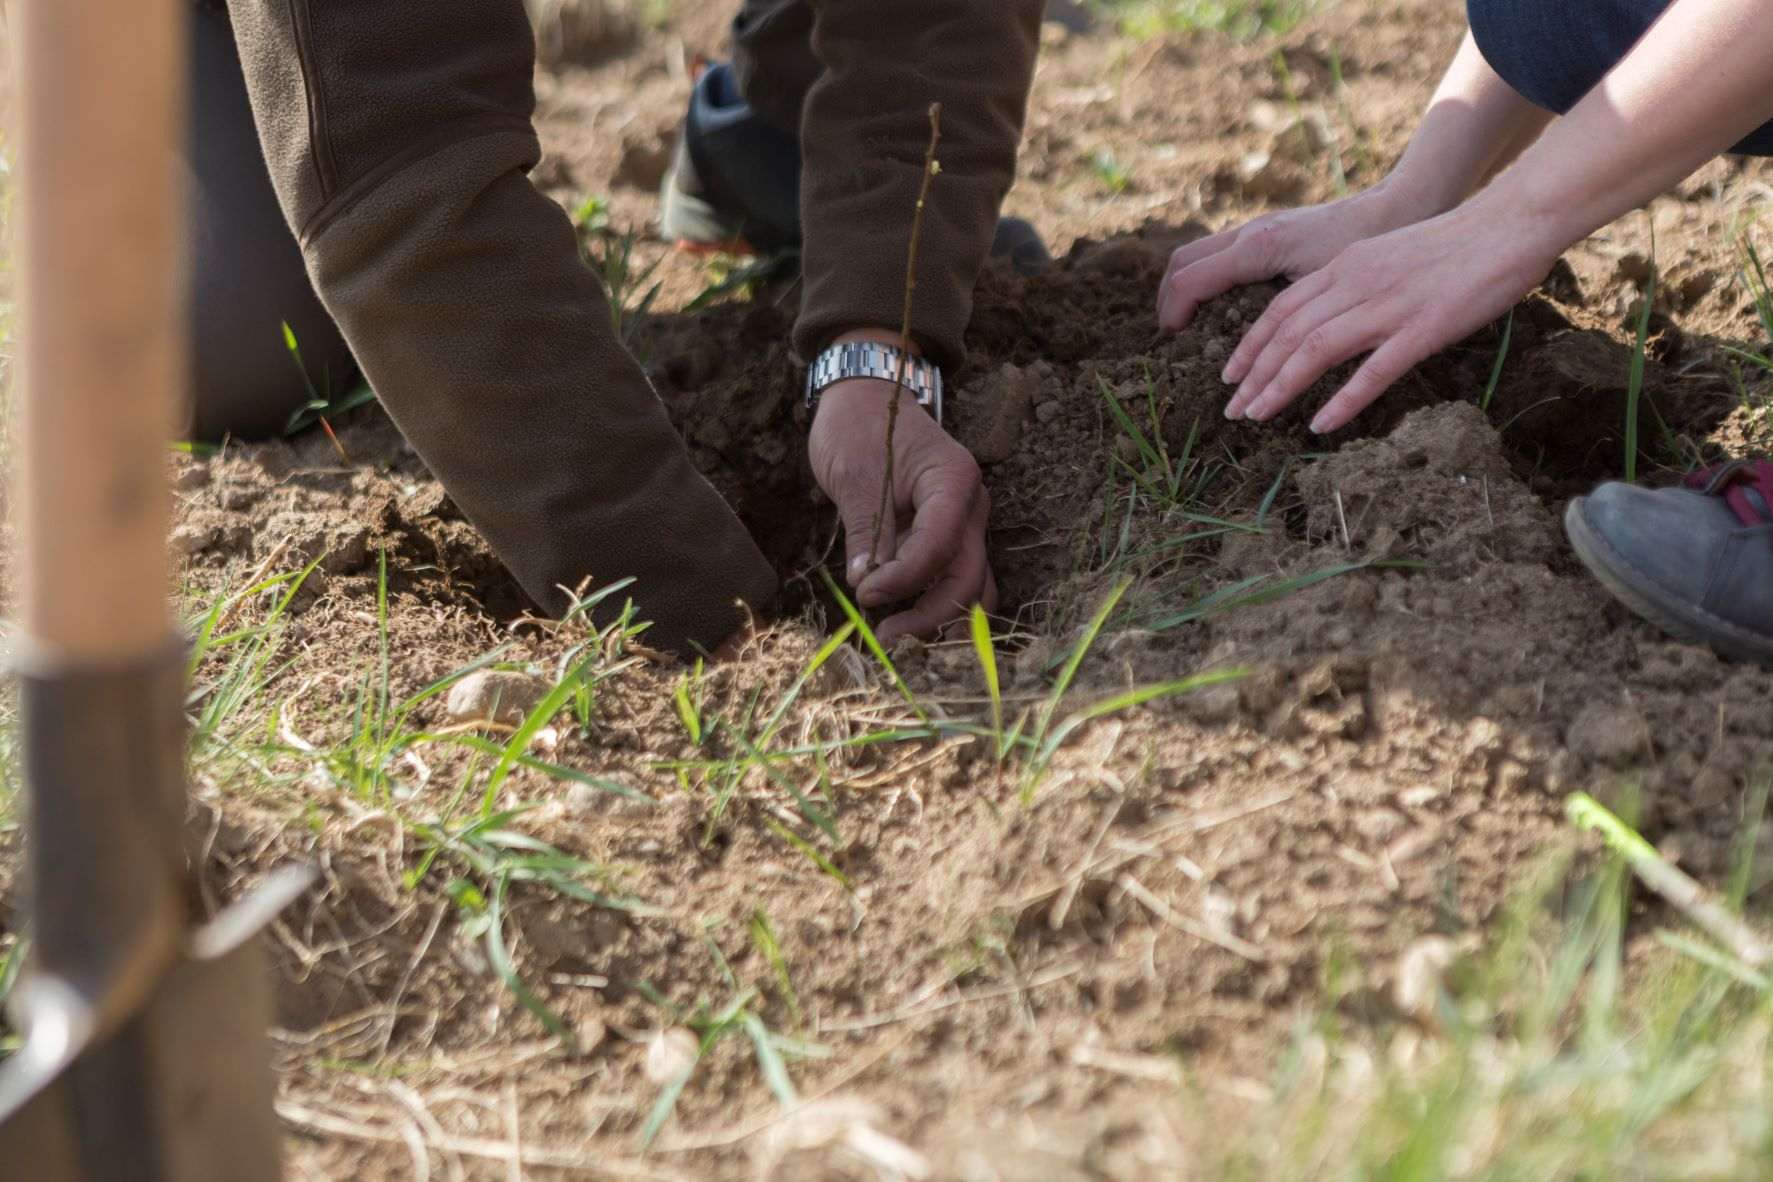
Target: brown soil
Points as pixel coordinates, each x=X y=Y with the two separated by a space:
x=1008 y=987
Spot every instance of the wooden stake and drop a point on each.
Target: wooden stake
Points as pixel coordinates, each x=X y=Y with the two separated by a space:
x=101 y=298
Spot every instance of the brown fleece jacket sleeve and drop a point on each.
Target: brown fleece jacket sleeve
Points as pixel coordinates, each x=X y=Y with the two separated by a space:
x=398 y=138
x=863 y=134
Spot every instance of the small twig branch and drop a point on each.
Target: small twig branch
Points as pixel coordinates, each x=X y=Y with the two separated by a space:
x=931 y=166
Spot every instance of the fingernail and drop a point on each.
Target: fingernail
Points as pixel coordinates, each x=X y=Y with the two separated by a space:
x=1225 y=375
x=1319 y=425
x=1231 y=410
x=858 y=569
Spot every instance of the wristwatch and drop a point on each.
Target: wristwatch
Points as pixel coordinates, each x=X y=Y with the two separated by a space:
x=869 y=359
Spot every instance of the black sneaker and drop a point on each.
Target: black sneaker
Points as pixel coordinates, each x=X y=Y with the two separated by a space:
x=734 y=183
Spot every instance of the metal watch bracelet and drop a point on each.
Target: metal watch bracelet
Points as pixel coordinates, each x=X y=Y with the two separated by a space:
x=870 y=359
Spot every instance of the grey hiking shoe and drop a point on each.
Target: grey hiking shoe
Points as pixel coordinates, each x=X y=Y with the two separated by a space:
x=734 y=183
x=1697 y=560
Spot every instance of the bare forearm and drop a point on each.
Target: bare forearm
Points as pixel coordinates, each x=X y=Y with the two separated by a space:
x=1475 y=124
x=1698 y=82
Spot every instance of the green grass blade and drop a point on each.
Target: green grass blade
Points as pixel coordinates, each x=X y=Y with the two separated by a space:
x=1253 y=592
x=1710 y=958
x=836 y=641
x=1268 y=497
x=811 y=812
x=500 y=957
x=686 y=710
x=1091 y=631
x=810 y=850
x=982 y=645
x=1126 y=424
x=1130 y=699
x=447 y=681
x=513 y=752
x=872 y=642
x=1496 y=369
x=663 y=1107
x=1635 y=389
x=764 y=936
x=553 y=770
x=769 y=1060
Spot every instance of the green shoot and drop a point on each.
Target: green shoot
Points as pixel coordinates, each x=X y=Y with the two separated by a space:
x=612 y=256
x=1068 y=671
x=771 y=1050
x=320 y=407
x=1268 y=497
x=1754 y=277
x=1496 y=368
x=492 y=857
x=1260 y=589
x=1110 y=172
x=1715 y=918
x=1047 y=745
x=727 y=280
x=987 y=653
x=810 y=811
x=1047 y=738
x=591 y=217
x=872 y=643
x=690 y=711
x=810 y=851
x=1635 y=388
x=764 y=937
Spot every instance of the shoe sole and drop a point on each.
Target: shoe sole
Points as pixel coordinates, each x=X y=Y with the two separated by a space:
x=1639 y=592
x=695 y=225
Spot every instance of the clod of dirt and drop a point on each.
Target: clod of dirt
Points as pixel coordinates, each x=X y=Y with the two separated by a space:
x=189 y=476
x=1438 y=487
x=1265 y=175
x=592 y=1032
x=989 y=418
x=193 y=537
x=1609 y=734
x=1120 y=257
x=340 y=544
x=501 y=697
x=1302 y=139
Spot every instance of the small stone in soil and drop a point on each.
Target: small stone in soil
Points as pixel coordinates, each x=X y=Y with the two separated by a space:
x=496 y=696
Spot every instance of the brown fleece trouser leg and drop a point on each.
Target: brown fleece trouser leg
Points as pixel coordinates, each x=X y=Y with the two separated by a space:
x=774 y=60
x=853 y=79
x=398 y=138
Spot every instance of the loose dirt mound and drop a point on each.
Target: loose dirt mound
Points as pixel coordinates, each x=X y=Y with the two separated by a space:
x=1389 y=765
x=1009 y=987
